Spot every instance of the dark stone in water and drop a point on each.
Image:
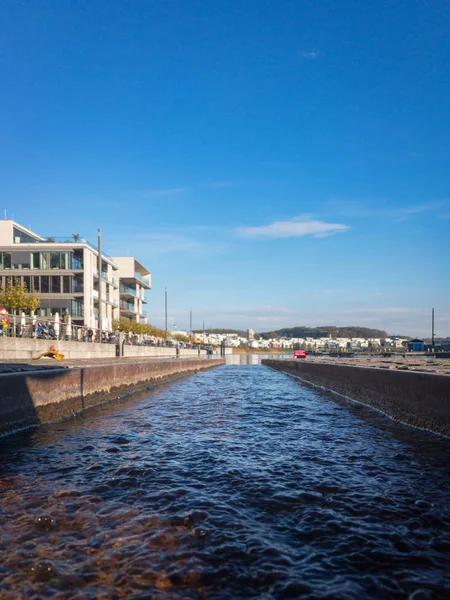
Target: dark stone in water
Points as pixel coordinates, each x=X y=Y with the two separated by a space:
x=44 y=570
x=45 y=523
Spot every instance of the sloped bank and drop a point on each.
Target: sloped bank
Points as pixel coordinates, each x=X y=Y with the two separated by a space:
x=34 y=397
x=418 y=399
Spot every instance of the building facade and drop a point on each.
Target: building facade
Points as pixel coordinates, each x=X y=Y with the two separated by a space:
x=134 y=280
x=64 y=274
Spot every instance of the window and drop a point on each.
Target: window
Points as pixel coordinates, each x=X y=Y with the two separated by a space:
x=45 y=284
x=27 y=282
x=36 y=286
x=77 y=259
x=20 y=237
x=77 y=309
x=34 y=260
x=5 y=260
x=56 y=284
x=65 y=260
x=77 y=284
x=54 y=260
x=66 y=284
x=45 y=260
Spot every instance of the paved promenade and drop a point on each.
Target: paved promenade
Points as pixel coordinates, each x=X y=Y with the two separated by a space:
x=408 y=363
x=26 y=365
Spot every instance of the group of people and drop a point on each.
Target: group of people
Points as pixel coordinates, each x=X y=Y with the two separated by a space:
x=4 y=322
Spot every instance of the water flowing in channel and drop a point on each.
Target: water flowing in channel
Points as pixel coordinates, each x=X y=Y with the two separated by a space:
x=235 y=483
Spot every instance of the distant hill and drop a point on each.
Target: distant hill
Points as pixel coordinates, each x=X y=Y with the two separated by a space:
x=351 y=331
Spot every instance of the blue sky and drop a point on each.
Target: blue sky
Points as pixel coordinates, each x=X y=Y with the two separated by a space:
x=273 y=163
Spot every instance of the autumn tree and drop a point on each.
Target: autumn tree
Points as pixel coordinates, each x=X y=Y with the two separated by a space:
x=15 y=297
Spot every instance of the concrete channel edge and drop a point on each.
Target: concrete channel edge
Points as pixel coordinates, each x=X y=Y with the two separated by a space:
x=34 y=397
x=418 y=399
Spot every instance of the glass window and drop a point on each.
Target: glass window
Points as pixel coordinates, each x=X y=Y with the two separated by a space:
x=27 y=283
x=65 y=260
x=20 y=237
x=55 y=260
x=45 y=284
x=77 y=309
x=5 y=260
x=45 y=260
x=36 y=286
x=34 y=260
x=77 y=259
x=56 y=284
x=66 y=284
x=77 y=285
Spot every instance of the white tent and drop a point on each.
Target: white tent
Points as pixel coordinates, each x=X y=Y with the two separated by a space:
x=69 y=328
x=57 y=324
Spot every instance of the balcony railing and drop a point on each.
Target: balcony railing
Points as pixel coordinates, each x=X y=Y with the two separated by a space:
x=110 y=299
x=127 y=306
x=111 y=281
x=127 y=289
x=60 y=240
x=141 y=278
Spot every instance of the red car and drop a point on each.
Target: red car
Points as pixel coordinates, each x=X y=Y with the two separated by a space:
x=299 y=353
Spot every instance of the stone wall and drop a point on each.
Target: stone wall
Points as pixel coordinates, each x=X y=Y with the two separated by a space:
x=161 y=352
x=26 y=348
x=419 y=399
x=30 y=398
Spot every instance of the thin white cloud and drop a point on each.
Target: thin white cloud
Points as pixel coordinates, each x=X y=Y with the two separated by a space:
x=310 y=54
x=297 y=227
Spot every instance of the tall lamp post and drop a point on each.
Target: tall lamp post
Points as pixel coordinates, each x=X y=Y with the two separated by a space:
x=165 y=304
x=100 y=295
x=432 y=329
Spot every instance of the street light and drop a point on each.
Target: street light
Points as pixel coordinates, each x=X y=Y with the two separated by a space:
x=166 y=311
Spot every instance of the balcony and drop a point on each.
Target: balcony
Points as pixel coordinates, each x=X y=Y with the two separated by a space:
x=110 y=300
x=128 y=290
x=127 y=307
x=142 y=279
x=112 y=281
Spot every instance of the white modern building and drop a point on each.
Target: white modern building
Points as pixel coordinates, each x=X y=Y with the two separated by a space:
x=134 y=280
x=64 y=274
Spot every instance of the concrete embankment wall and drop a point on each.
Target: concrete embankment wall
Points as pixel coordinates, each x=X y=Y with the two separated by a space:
x=159 y=352
x=418 y=399
x=34 y=397
x=25 y=348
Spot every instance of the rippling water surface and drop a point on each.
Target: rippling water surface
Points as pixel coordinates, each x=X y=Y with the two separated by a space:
x=234 y=483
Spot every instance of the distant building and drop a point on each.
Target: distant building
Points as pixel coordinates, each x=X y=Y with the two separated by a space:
x=415 y=345
x=250 y=334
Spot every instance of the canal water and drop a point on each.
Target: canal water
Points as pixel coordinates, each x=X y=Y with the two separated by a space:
x=234 y=483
